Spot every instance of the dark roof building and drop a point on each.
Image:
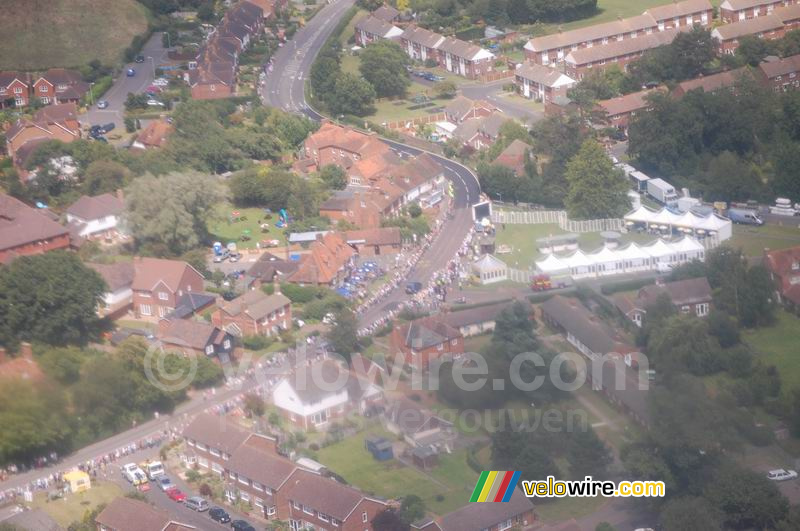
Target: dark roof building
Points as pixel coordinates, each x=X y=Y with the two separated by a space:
x=25 y=230
x=126 y=514
x=518 y=511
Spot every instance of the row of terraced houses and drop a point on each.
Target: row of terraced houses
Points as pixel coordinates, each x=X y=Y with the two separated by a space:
x=254 y=472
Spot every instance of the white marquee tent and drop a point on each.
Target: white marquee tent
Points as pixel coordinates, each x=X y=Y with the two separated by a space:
x=634 y=257
x=710 y=224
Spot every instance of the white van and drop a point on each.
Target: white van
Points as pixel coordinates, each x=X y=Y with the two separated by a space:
x=196 y=503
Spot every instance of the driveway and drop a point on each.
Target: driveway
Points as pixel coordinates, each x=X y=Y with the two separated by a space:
x=155 y=54
x=494 y=93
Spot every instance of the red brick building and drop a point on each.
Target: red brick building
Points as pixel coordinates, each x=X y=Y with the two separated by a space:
x=326 y=263
x=620 y=110
x=465 y=59
x=126 y=514
x=371 y=29
x=738 y=10
x=781 y=75
x=26 y=231
x=255 y=313
x=59 y=85
x=427 y=339
x=421 y=44
x=375 y=242
x=158 y=284
x=199 y=338
x=784 y=269
x=712 y=83
x=517 y=513
x=768 y=27
x=14 y=89
x=211 y=441
x=687 y=13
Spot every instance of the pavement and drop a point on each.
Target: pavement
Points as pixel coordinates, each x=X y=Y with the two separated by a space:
x=494 y=94
x=154 y=54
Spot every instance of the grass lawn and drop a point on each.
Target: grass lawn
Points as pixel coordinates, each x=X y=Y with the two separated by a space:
x=226 y=229
x=753 y=240
x=777 y=345
x=73 y=507
x=350 y=29
x=522 y=240
x=477 y=343
x=452 y=479
x=565 y=508
x=77 y=31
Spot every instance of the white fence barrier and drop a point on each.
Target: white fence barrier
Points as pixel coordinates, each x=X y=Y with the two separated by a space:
x=558 y=217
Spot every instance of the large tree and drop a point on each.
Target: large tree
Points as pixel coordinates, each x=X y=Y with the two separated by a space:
x=51 y=298
x=747 y=499
x=351 y=95
x=596 y=188
x=690 y=514
x=171 y=211
x=105 y=176
x=343 y=335
x=383 y=64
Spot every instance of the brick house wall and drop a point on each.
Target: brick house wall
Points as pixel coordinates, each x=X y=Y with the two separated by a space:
x=730 y=15
x=161 y=300
x=251 y=327
x=38 y=247
x=17 y=91
x=555 y=55
x=729 y=46
x=422 y=358
x=44 y=90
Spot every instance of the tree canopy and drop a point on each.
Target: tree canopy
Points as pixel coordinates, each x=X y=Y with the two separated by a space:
x=383 y=65
x=596 y=188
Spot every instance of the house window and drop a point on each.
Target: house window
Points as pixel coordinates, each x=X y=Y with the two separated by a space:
x=685 y=309
x=308 y=510
x=259 y=502
x=45 y=100
x=210 y=350
x=364 y=517
x=324 y=517
x=271 y=511
x=335 y=522
x=454 y=342
x=505 y=525
x=244 y=496
x=19 y=102
x=162 y=311
x=296 y=505
x=17 y=90
x=144 y=309
x=42 y=88
x=214 y=452
x=702 y=309
x=226 y=344
x=162 y=295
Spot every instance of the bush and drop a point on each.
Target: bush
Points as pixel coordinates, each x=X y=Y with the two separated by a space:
x=300 y=294
x=626 y=285
x=205 y=490
x=431 y=63
x=192 y=475
x=256 y=342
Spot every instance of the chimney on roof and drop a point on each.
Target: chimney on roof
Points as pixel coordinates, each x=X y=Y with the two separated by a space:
x=26 y=351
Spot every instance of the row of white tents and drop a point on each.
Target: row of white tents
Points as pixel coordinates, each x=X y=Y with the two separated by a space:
x=689 y=222
x=634 y=257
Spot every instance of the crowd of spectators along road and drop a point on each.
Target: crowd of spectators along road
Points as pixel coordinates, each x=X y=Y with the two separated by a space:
x=432 y=295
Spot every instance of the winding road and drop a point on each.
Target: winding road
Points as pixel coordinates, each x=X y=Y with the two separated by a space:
x=284 y=88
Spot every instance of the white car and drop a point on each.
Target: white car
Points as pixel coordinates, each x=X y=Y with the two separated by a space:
x=155 y=103
x=663 y=267
x=161 y=82
x=781 y=475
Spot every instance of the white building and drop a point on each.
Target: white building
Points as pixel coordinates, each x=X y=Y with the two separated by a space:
x=490 y=269
x=96 y=217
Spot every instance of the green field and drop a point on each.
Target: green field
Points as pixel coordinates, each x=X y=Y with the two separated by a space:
x=777 y=345
x=244 y=229
x=39 y=34
x=73 y=507
x=753 y=240
x=452 y=479
x=522 y=240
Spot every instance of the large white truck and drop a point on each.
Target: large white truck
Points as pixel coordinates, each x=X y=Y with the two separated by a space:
x=153 y=469
x=662 y=191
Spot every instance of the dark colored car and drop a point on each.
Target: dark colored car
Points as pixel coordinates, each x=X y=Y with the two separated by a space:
x=218 y=514
x=139 y=59
x=413 y=287
x=108 y=127
x=241 y=525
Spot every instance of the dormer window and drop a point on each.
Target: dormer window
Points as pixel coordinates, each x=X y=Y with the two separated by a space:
x=795 y=265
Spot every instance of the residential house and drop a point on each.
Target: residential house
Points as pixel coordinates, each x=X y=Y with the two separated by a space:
x=212 y=440
x=375 y=242
x=517 y=513
x=479 y=133
x=738 y=10
x=127 y=514
x=342 y=146
x=97 y=216
x=691 y=296
x=780 y=75
x=211 y=81
x=365 y=171
x=59 y=85
x=475 y=321
x=620 y=110
x=268 y=7
x=269 y=269
x=22 y=367
x=357 y=207
x=609 y=354
x=461 y=109
x=514 y=157
x=192 y=303
x=310 y=500
x=421 y=44
x=327 y=262
x=386 y=13
x=14 y=89
x=154 y=135
x=465 y=59
x=118 y=299
x=790 y=15
x=427 y=339
x=419 y=427
x=687 y=13
x=541 y=83
x=418 y=177
x=712 y=83
x=579 y=62
x=255 y=313
x=370 y=29
x=255 y=474
x=198 y=338
x=554 y=48
x=317 y=394
x=26 y=231
x=769 y=27
x=56 y=122
x=784 y=270
x=158 y=284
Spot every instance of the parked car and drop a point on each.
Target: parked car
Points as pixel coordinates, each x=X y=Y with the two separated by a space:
x=130 y=72
x=176 y=494
x=102 y=104
x=235 y=257
x=218 y=514
x=165 y=484
x=161 y=82
x=219 y=258
x=155 y=89
x=196 y=503
x=155 y=103
x=108 y=127
x=413 y=287
x=781 y=475
x=241 y=525
x=139 y=59
x=95 y=131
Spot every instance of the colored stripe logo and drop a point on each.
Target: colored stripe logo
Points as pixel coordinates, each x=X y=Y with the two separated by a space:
x=494 y=486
